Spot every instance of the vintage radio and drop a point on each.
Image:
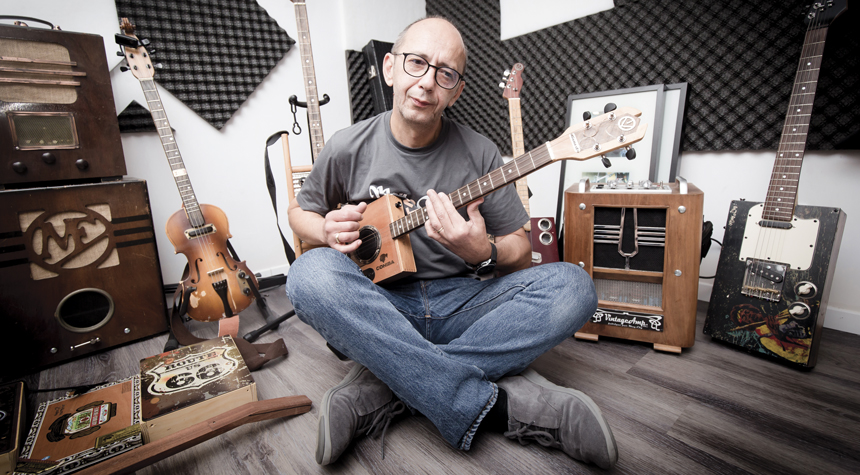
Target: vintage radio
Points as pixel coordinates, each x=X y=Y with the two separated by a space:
x=57 y=116
x=641 y=243
x=79 y=272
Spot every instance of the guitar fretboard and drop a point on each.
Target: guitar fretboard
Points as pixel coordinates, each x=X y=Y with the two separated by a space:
x=309 y=75
x=505 y=175
x=782 y=190
x=171 y=150
x=518 y=148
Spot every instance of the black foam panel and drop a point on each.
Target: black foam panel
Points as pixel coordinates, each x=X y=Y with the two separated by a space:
x=214 y=53
x=135 y=118
x=738 y=57
x=360 y=97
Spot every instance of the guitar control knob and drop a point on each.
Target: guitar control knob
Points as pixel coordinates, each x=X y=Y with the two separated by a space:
x=799 y=310
x=805 y=290
x=19 y=168
x=82 y=164
x=49 y=158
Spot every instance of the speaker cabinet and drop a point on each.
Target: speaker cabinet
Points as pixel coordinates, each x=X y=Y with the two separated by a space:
x=57 y=116
x=642 y=246
x=79 y=272
x=544 y=241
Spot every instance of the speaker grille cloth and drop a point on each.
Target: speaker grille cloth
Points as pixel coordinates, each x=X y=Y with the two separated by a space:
x=623 y=291
x=35 y=93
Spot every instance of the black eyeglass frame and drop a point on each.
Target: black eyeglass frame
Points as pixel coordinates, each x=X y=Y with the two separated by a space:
x=460 y=75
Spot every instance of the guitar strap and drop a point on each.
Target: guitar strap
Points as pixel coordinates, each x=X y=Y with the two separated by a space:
x=270 y=184
x=254 y=354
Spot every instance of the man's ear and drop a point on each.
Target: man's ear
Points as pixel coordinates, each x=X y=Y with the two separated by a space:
x=388 y=69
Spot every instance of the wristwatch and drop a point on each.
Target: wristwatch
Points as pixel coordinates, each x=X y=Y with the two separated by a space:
x=487 y=266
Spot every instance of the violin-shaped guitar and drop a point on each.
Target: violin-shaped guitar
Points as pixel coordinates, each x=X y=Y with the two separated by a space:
x=216 y=285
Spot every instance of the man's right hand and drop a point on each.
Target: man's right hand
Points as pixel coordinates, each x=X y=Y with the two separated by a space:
x=340 y=227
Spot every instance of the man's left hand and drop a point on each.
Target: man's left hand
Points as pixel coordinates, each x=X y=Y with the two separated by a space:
x=467 y=239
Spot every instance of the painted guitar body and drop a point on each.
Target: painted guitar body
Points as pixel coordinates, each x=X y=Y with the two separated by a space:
x=215 y=280
x=781 y=316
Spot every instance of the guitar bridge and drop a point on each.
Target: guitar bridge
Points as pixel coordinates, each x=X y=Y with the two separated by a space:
x=764 y=279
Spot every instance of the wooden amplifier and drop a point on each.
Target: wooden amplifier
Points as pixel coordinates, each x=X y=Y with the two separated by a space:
x=641 y=243
x=79 y=272
x=57 y=116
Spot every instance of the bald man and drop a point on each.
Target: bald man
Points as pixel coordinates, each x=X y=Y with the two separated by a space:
x=440 y=341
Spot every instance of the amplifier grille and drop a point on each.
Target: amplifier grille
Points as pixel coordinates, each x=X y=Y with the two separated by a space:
x=623 y=291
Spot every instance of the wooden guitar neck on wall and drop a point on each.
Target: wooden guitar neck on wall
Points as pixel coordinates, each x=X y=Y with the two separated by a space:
x=309 y=74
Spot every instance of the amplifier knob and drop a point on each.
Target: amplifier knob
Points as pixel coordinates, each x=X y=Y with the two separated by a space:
x=19 y=168
x=805 y=290
x=82 y=164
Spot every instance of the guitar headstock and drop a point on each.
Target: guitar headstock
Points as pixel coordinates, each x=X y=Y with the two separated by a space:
x=512 y=81
x=822 y=12
x=134 y=50
x=597 y=136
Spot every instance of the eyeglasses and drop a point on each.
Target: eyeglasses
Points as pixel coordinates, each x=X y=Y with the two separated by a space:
x=416 y=66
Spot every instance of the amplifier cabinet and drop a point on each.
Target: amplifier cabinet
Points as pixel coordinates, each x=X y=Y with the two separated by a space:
x=58 y=121
x=79 y=272
x=642 y=247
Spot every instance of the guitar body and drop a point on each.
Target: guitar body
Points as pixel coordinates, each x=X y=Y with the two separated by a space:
x=382 y=257
x=219 y=285
x=781 y=317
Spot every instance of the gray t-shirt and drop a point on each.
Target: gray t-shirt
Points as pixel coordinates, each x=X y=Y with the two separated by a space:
x=364 y=162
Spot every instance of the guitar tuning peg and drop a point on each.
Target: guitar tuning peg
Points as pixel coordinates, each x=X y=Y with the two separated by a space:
x=158 y=65
x=120 y=53
x=507 y=73
x=606 y=162
x=152 y=52
x=609 y=107
x=586 y=115
x=502 y=85
x=144 y=42
x=631 y=153
x=123 y=68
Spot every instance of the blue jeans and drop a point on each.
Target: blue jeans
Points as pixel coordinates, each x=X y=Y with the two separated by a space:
x=440 y=344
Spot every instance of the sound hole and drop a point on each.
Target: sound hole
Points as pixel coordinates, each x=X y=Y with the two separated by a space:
x=369 y=249
x=85 y=310
x=545 y=239
x=544 y=225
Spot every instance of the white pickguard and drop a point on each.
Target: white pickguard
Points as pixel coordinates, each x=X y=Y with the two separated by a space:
x=794 y=246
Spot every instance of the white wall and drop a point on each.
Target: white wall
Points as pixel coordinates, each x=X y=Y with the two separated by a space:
x=226 y=166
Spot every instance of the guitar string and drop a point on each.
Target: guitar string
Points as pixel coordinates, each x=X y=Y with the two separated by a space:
x=772 y=239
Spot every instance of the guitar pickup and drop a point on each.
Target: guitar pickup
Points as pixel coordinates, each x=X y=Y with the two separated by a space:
x=769 y=223
x=195 y=233
x=772 y=272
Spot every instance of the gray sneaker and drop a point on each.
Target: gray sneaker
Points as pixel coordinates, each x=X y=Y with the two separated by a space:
x=361 y=404
x=557 y=417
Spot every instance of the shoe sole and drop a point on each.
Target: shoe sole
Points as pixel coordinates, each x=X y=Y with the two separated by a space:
x=534 y=377
x=323 y=454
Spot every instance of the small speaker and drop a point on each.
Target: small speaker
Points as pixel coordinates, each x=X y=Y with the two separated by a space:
x=79 y=272
x=642 y=248
x=544 y=241
x=57 y=116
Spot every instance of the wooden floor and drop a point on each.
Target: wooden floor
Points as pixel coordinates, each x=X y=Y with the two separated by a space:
x=712 y=409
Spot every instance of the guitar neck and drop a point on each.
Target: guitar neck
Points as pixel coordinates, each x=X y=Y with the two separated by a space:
x=309 y=74
x=483 y=186
x=171 y=150
x=782 y=190
x=518 y=147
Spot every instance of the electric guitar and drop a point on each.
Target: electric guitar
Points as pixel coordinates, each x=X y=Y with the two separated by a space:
x=385 y=252
x=217 y=285
x=544 y=244
x=774 y=274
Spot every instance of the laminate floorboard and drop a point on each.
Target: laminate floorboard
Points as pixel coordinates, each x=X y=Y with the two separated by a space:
x=711 y=409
